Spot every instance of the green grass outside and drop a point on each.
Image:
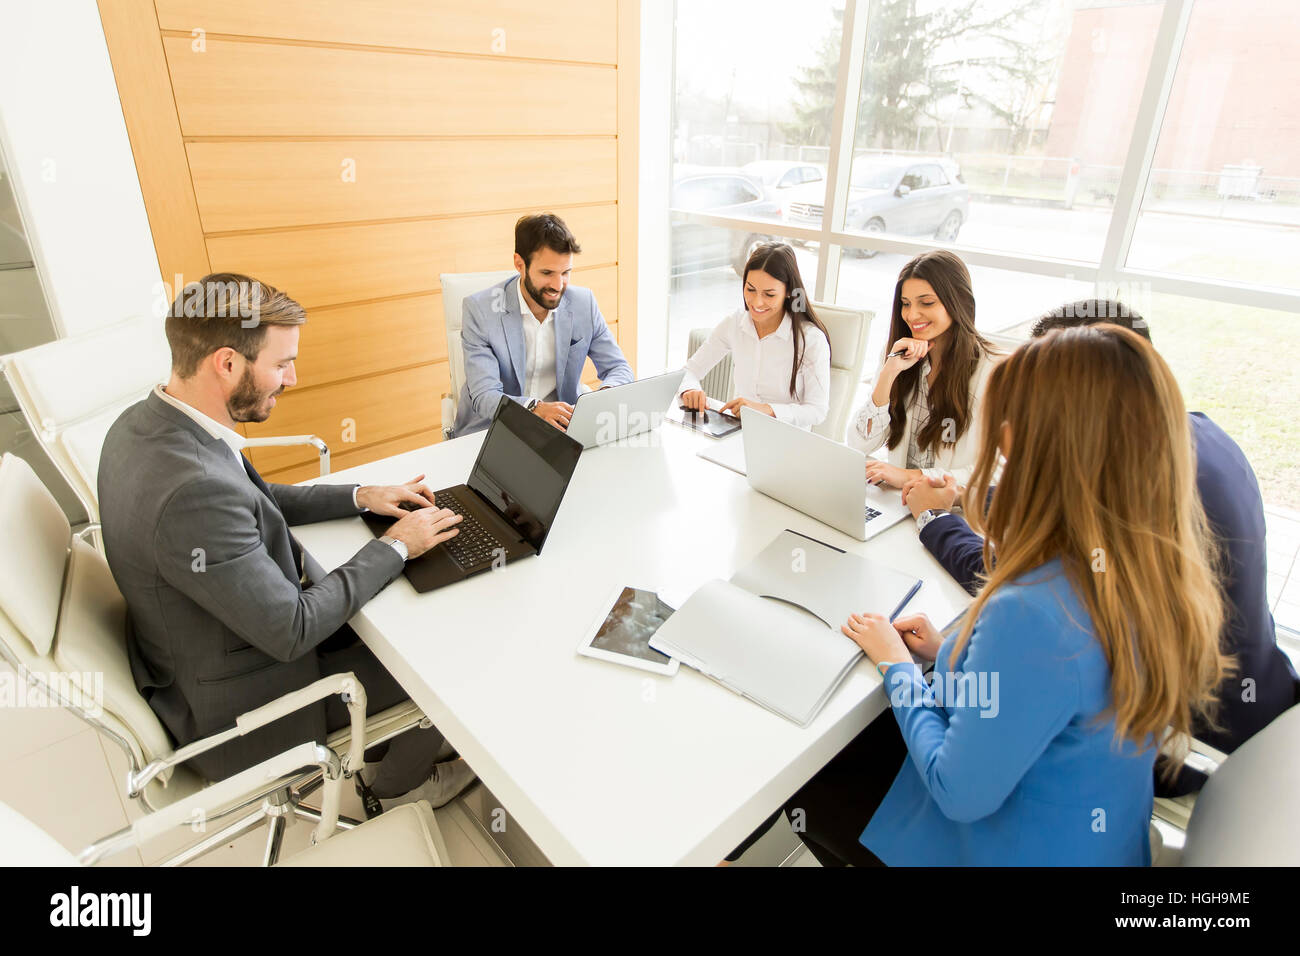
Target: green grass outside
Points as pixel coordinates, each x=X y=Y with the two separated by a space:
x=1238 y=365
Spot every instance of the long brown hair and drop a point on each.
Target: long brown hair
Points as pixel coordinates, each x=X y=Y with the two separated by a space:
x=950 y=396
x=1101 y=473
x=777 y=260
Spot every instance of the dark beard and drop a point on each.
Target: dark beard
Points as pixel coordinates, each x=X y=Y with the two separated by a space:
x=245 y=402
x=535 y=294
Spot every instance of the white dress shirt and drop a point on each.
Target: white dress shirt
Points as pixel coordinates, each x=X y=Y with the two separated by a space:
x=762 y=367
x=539 y=342
x=232 y=438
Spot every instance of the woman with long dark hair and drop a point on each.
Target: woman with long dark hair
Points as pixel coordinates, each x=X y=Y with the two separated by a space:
x=925 y=403
x=780 y=349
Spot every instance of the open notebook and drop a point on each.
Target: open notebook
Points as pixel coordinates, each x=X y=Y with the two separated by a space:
x=772 y=633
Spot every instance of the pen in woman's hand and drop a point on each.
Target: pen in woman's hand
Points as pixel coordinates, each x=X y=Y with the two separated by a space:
x=895 y=354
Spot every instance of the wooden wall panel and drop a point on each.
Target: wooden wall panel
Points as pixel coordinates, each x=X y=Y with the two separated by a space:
x=257 y=185
x=335 y=265
x=360 y=456
x=557 y=30
x=356 y=341
x=242 y=88
x=453 y=118
x=380 y=408
x=345 y=342
x=144 y=88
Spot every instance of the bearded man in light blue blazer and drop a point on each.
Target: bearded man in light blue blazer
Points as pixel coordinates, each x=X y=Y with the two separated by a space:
x=529 y=337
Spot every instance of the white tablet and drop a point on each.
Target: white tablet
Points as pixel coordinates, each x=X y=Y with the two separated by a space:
x=622 y=634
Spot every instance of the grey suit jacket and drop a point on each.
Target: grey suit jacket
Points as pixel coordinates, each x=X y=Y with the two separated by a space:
x=219 y=622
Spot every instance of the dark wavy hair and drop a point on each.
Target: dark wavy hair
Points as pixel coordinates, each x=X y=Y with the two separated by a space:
x=950 y=398
x=777 y=260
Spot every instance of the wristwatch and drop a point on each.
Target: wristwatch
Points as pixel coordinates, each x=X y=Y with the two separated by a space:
x=398 y=546
x=532 y=403
x=925 y=517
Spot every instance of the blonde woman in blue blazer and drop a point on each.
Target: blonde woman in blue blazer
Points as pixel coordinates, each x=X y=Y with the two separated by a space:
x=1034 y=741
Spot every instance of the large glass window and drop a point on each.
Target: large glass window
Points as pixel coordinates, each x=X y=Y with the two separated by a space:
x=1223 y=196
x=997 y=123
x=701 y=297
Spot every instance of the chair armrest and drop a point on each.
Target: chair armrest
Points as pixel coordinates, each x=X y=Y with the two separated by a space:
x=380 y=727
x=280 y=770
x=448 y=414
x=345 y=684
x=286 y=440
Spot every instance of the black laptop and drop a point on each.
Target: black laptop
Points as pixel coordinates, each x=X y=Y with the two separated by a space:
x=508 y=504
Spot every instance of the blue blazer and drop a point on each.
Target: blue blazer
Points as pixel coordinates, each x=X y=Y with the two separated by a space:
x=496 y=359
x=1025 y=770
x=1230 y=495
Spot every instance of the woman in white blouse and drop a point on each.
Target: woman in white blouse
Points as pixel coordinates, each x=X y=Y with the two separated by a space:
x=925 y=404
x=780 y=349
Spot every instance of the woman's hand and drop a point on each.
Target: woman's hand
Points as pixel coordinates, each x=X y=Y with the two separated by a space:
x=913 y=351
x=892 y=643
x=877 y=637
x=921 y=637
x=734 y=406
x=924 y=493
x=695 y=400
x=883 y=473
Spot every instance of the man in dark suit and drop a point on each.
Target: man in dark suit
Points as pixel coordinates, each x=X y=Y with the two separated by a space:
x=1264 y=683
x=222 y=616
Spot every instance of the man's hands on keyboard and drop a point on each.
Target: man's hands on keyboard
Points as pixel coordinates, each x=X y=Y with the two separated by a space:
x=424 y=529
x=395 y=500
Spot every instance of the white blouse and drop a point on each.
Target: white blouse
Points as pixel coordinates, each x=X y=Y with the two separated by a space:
x=869 y=428
x=762 y=367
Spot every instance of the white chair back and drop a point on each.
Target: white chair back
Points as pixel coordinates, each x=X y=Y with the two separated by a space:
x=719 y=382
x=455 y=287
x=850 y=331
x=72 y=390
x=1248 y=813
x=63 y=625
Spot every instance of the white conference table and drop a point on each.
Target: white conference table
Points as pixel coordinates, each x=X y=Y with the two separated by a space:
x=599 y=763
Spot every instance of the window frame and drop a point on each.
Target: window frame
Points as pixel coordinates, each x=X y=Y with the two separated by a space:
x=1109 y=273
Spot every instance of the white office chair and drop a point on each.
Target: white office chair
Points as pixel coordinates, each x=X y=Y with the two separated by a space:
x=63 y=630
x=719 y=383
x=850 y=331
x=403 y=836
x=455 y=287
x=71 y=391
x=1248 y=812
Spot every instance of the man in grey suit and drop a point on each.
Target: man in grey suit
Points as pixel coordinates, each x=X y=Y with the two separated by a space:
x=222 y=618
x=528 y=338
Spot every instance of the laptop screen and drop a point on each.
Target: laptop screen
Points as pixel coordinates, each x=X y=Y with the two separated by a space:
x=523 y=470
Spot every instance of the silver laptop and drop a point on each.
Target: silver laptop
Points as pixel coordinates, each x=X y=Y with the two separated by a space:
x=622 y=411
x=821 y=478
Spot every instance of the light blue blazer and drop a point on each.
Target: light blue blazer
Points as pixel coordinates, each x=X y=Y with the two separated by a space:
x=1040 y=780
x=496 y=358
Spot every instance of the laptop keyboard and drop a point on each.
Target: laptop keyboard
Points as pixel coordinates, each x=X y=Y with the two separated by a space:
x=474 y=545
